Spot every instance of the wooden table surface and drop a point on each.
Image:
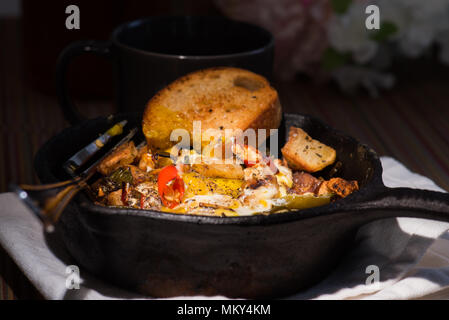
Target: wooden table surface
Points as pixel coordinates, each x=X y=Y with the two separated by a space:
x=410 y=123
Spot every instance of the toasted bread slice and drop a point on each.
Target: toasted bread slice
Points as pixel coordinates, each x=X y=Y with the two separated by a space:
x=221 y=98
x=304 y=153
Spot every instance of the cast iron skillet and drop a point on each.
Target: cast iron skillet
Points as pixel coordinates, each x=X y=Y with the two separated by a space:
x=163 y=255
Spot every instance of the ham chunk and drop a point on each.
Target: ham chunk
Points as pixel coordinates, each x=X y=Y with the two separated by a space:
x=304 y=182
x=342 y=187
x=124 y=155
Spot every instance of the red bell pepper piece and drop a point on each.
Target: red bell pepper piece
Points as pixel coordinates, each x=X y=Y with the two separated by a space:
x=170 y=186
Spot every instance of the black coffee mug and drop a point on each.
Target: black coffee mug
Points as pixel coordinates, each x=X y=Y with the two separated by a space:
x=150 y=53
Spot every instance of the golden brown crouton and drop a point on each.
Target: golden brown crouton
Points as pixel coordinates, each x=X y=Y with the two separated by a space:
x=304 y=153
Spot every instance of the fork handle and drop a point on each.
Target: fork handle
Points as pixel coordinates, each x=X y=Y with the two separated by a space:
x=48 y=201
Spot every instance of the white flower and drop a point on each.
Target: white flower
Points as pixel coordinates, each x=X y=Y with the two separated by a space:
x=419 y=22
x=347 y=33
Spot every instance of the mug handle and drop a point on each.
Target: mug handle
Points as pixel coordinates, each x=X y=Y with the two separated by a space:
x=101 y=48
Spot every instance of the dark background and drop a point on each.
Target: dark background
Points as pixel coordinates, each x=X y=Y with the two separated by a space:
x=409 y=122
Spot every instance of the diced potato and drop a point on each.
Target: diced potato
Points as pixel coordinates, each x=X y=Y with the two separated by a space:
x=304 y=153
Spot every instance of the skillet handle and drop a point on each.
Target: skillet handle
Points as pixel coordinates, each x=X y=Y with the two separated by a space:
x=407 y=202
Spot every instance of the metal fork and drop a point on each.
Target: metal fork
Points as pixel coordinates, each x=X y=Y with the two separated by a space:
x=48 y=201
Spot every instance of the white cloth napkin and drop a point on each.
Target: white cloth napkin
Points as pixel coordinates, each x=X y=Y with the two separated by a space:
x=412 y=255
